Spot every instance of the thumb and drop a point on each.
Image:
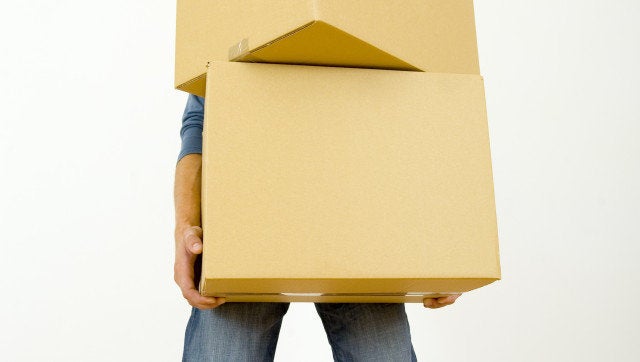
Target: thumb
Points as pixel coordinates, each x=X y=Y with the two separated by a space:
x=193 y=240
x=196 y=248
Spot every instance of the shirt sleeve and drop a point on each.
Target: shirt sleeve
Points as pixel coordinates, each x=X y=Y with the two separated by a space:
x=192 y=122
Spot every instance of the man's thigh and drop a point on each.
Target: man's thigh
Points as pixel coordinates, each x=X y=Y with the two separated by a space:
x=234 y=332
x=367 y=331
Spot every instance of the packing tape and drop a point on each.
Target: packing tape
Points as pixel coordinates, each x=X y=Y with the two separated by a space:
x=239 y=50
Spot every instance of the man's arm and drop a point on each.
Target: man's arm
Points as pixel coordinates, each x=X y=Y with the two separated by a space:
x=188 y=233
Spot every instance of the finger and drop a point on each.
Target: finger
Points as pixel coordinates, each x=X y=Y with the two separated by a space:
x=450 y=299
x=430 y=303
x=440 y=302
x=184 y=278
x=195 y=299
x=434 y=306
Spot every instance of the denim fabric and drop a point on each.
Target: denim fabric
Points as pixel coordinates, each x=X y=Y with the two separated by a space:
x=249 y=332
x=367 y=331
x=234 y=332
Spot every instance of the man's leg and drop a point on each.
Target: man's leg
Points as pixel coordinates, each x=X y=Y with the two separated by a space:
x=234 y=332
x=367 y=331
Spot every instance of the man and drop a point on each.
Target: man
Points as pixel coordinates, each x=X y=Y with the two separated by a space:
x=249 y=331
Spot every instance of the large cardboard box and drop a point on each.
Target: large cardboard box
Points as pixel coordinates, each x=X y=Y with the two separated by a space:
x=335 y=184
x=427 y=35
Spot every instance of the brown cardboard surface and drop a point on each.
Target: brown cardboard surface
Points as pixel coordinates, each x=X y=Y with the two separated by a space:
x=428 y=35
x=351 y=184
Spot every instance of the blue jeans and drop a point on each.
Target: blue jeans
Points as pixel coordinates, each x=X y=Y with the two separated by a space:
x=249 y=332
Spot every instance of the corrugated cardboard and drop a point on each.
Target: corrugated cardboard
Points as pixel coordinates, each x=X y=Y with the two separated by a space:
x=345 y=185
x=428 y=35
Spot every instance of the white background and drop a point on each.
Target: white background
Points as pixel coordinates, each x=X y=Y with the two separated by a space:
x=88 y=145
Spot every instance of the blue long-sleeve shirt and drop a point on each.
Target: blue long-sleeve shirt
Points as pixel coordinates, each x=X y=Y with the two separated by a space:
x=192 y=122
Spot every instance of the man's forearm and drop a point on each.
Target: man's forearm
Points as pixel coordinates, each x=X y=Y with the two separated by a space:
x=187 y=192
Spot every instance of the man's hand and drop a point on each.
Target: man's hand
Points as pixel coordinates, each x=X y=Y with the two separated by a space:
x=188 y=247
x=435 y=303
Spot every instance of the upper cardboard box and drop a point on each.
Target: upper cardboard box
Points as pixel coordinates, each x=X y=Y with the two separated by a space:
x=428 y=35
x=338 y=184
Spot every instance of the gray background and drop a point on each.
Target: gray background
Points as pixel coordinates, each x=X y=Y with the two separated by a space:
x=88 y=144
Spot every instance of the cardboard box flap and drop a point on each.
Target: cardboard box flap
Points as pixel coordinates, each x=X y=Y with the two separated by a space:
x=319 y=43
